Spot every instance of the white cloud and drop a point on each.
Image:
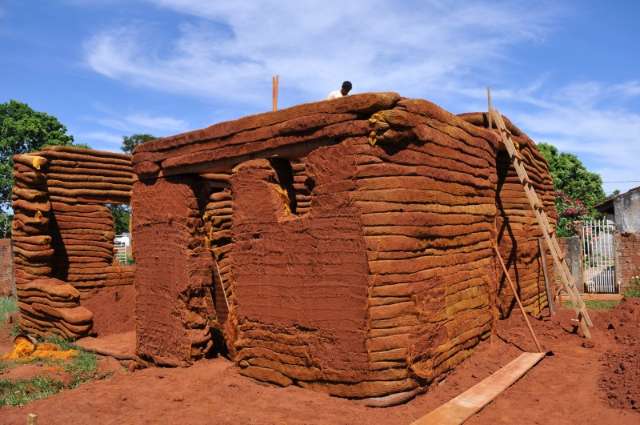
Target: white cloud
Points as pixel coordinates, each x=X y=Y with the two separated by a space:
x=142 y=122
x=104 y=138
x=589 y=120
x=629 y=88
x=234 y=47
x=226 y=51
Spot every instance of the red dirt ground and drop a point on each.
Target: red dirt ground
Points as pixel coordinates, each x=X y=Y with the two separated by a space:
x=574 y=386
x=113 y=309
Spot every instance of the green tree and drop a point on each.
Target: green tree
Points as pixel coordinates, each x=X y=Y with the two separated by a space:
x=130 y=142
x=23 y=130
x=120 y=214
x=578 y=190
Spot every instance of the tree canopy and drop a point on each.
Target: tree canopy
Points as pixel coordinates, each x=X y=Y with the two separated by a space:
x=24 y=130
x=121 y=216
x=578 y=190
x=130 y=142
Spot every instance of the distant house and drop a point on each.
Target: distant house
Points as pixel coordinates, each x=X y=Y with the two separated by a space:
x=623 y=210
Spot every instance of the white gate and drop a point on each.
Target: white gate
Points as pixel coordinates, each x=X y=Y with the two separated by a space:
x=598 y=260
x=120 y=244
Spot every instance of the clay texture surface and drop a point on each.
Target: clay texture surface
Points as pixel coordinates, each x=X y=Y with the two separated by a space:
x=63 y=228
x=351 y=242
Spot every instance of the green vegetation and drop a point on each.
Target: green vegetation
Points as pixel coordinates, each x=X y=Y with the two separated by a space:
x=578 y=190
x=633 y=290
x=81 y=368
x=7 y=306
x=15 y=330
x=20 y=392
x=23 y=130
x=130 y=142
x=121 y=215
x=596 y=304
x=601 y=304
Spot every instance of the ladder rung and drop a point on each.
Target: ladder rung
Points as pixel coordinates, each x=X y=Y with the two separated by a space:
x=543 y=221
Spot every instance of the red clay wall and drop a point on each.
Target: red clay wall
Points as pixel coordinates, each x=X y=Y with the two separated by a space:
x=173 y=272
x=627 y=258
x=63 y=230
x=518 y=231
x=300 y=280
x=6 y=268
x=426 y=192
x=379 y=278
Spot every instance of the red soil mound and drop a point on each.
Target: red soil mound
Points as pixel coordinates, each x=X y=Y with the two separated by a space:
x=620 y=380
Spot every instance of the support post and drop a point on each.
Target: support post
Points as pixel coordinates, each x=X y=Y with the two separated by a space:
x=489 y=107
x=515 y=294
x=275 y=85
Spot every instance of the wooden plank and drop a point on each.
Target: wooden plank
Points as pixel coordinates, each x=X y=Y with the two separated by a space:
x=461 y=408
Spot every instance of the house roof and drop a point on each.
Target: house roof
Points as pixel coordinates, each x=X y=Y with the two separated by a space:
x=606 y=206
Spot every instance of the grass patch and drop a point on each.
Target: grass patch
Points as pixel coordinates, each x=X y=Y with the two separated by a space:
x=7 y=305
x=18 y=393
x=633 y=290
x=15 y=330
x=595 y=304
x=82 y=368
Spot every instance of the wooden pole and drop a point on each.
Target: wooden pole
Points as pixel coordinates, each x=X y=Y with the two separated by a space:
x=275 y=85
x=32 y=419
x=515 y=294
x=545 y=271
x=489 y=108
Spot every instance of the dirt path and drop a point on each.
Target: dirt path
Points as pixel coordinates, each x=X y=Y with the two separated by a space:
x=562 y=389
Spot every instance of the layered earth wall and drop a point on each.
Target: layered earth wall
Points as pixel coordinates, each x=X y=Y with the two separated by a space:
x=63 y=235
x=344 y=246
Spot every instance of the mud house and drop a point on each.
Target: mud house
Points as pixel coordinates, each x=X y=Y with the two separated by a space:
x=344 y=246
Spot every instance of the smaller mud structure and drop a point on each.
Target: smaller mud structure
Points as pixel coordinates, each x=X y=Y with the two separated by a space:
x=343 y=246
x=67 y=282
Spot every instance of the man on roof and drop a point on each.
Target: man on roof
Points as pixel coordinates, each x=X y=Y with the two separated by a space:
x=346 y=88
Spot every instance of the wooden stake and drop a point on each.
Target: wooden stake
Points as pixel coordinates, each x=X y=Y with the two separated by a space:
x=515 y=294
x=275 y=84
x=32 y=419
x=489 y=107
x=545 y=272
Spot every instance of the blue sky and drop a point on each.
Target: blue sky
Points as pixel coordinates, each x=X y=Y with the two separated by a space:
x=566 y=72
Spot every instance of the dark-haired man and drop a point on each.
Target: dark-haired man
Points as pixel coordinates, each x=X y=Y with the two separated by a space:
x=346 y=88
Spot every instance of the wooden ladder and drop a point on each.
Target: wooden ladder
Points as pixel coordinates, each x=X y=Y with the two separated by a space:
x=543 y=221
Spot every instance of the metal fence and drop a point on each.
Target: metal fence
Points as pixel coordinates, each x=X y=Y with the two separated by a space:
x=599 y=256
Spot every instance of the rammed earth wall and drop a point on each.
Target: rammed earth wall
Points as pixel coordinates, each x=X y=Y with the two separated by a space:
x=63 y=240
x=6 y=268
x=349 y=243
